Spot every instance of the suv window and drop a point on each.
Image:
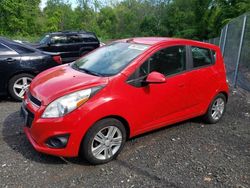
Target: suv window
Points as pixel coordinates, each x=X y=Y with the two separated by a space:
x=59 y=39
x=167 y=61
x=6 y=51
x=87 y=38
x=78 y=38
x=201 y=56
x=73 y=39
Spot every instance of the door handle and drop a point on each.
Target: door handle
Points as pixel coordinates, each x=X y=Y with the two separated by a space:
x=9 y=60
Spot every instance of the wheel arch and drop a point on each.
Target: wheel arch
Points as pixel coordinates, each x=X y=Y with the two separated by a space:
x=122 y=120
x=225 y=94
x=118 y=117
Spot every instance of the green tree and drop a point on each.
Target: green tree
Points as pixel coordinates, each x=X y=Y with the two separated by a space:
x=19 y=17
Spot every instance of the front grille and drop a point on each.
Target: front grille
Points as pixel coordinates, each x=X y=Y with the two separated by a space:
x=33 y=99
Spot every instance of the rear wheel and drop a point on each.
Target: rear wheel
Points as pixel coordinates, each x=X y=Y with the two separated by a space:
x=216 y=109
x=18 y=85
x=104 y=141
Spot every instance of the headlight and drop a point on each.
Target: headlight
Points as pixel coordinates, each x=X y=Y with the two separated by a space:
x=68 y=103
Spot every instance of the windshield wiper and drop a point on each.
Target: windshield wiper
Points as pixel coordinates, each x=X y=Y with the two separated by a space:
x=90 y=72
x=74 y=66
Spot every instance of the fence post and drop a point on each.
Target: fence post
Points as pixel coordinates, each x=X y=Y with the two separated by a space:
x=239 y=52
x=224 y=42
x=221 y=35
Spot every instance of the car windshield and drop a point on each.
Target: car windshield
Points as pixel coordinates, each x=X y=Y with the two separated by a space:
x=44 y=39
x=110 y=59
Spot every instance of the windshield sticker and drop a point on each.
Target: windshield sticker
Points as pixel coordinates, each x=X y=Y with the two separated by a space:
x=137 y=47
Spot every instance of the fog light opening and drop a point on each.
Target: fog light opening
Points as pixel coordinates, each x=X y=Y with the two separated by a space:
x=58 y=142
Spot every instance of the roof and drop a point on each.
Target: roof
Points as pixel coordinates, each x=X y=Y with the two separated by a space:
x=147 y=40
x=157 y=40
x=69 y=32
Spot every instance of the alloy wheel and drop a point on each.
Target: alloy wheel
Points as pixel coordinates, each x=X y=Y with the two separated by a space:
x=21 y=85
x=106 y=143
x=218 y=108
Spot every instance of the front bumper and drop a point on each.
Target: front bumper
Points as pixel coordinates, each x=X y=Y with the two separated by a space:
x=64 y=152
x=39 y=130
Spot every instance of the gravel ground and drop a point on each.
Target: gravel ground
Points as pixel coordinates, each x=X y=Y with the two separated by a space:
x=188 y=154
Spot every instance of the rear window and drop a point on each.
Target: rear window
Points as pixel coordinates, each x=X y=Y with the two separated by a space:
x=201 y=56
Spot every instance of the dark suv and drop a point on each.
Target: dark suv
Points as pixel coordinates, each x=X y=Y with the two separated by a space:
x=71 y=45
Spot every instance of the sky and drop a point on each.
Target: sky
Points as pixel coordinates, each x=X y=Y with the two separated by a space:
x=73 y=3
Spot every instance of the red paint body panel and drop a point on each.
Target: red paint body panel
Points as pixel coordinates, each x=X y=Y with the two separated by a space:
x=181 y=97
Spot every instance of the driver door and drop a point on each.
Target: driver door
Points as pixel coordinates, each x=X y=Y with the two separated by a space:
x=161 y=102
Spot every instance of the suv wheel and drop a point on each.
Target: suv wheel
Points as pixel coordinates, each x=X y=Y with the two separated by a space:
x=18 y=85
x=104 y=141
x=216 y=109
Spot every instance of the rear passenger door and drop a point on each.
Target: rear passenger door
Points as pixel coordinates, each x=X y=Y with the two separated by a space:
x=203 y=81
x=74 y=45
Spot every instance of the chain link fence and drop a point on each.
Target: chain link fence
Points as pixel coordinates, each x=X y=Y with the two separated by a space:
x=234 y=42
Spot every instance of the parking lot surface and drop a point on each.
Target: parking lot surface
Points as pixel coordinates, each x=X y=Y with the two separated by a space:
x=188 y=154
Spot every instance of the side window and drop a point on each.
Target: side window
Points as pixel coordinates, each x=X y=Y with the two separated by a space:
x=167 y=61
x=73 y=39
x=22 y=49
x=201 y=56
x=87 y=38
x=59 y=39
x=6 y=51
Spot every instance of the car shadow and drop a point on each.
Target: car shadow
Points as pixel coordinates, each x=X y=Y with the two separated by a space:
x=15 y=138
x=5 y=98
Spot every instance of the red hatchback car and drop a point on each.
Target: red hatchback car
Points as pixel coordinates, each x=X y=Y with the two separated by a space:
x=93 y=105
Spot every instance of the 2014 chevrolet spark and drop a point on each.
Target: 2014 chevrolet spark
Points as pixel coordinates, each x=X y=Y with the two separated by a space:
x=93 y=105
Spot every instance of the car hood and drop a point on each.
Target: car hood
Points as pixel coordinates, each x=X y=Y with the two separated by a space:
x=61 y=80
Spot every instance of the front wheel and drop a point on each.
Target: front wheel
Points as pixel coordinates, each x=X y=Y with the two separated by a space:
x=216 y=109
x=104 y=141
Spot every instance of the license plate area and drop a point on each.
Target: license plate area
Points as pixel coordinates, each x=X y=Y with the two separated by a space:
x=27 y=115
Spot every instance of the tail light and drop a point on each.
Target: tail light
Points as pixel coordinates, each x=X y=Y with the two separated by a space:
x=57 y=59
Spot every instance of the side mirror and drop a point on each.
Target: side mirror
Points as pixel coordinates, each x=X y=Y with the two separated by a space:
x=155 y=78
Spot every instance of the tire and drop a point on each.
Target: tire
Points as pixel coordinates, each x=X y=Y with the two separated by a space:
x=217 y=106
x=103 y=151
x=17 y=85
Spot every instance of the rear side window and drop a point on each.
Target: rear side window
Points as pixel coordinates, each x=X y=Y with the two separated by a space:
x=22 y=49
x=73 y=39
x=6 y=51
x=201 y=56
x=87 y=38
